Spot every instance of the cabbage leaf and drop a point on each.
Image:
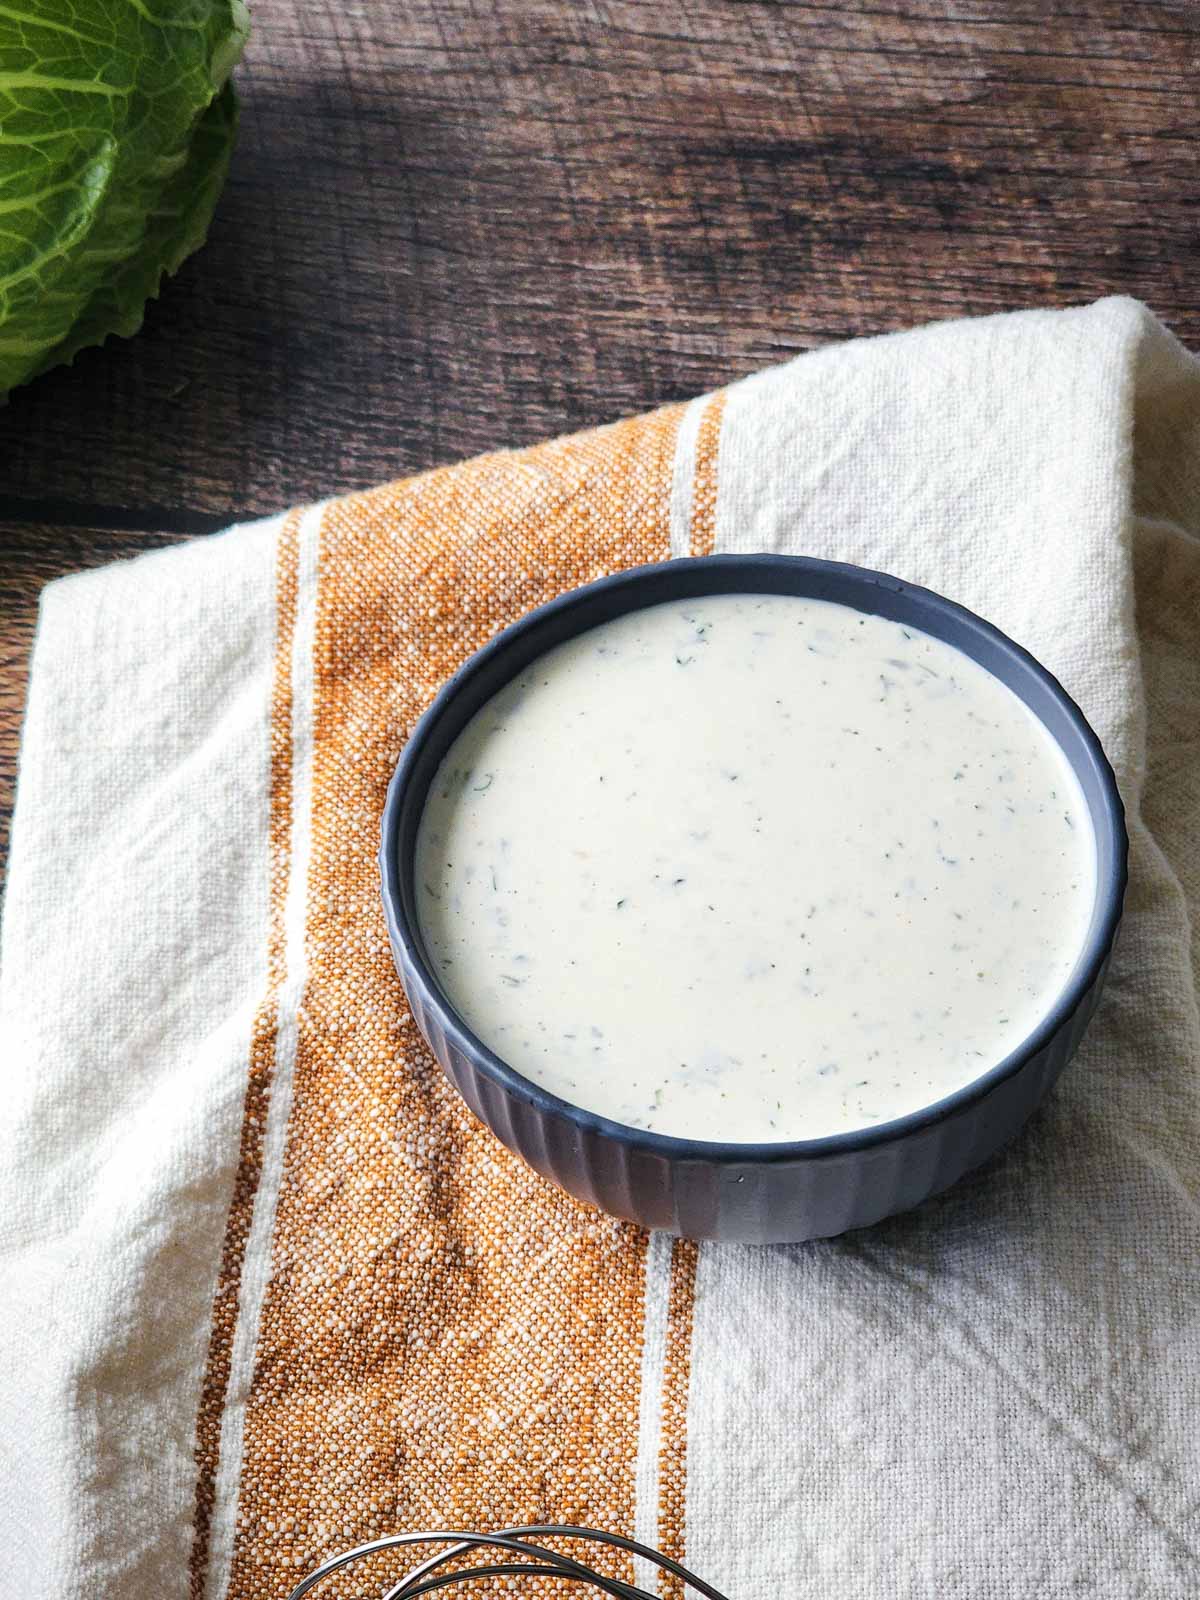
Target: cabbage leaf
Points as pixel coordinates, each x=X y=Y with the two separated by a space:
x=117 y=121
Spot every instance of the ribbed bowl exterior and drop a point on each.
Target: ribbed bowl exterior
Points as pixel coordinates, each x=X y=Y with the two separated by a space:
x=751 y=1201
x=751 y=1194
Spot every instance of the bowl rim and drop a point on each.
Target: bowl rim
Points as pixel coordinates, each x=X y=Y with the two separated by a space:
x=405 y=939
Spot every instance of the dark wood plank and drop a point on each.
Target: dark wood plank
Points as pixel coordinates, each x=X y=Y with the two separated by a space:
x=458 y=224
x=455 y=224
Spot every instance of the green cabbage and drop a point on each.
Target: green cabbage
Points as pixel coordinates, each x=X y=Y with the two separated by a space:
x=117 y=120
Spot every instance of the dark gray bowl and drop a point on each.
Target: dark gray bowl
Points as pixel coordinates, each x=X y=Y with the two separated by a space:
x=760 y=1193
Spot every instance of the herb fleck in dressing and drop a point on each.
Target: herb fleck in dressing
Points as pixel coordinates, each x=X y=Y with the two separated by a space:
x=754 y=868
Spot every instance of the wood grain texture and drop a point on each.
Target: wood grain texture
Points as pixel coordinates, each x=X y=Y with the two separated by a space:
x=456 y=224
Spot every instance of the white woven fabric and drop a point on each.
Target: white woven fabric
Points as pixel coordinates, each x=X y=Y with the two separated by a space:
x=135 y=953
x=994 y=1397
x=997 y=1396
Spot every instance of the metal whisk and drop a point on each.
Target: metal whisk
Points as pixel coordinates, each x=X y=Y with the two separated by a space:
x=536 y=1560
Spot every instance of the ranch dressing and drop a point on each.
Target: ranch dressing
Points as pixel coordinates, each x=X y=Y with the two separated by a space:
x=752 y=868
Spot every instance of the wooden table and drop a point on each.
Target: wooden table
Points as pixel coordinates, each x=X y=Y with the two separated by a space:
x=457 y=224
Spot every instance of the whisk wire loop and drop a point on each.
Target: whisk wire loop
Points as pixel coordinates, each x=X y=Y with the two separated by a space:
x=512 y=1569
x=425 y=1577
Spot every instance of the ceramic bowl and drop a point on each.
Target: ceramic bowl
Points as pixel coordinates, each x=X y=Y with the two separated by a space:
x=760 y=1193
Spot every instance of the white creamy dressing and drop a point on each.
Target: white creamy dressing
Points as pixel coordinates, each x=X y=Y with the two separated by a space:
x=752 y=868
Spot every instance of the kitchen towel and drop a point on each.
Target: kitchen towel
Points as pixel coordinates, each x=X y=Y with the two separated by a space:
x=270 y=1291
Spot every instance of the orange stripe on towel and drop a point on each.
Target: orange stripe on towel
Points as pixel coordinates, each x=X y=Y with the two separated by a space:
x=704 y=484
x=445 y=1339
x=672 y=1467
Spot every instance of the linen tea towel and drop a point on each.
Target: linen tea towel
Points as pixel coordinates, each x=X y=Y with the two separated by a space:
x=276 y=1293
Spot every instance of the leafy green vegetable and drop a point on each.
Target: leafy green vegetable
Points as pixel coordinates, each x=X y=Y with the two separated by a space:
x=117 y=121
